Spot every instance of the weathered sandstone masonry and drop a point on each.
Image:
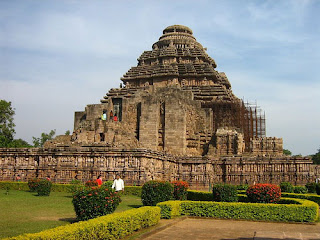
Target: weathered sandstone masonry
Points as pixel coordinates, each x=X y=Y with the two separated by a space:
x=173 y=117
x=138 y=166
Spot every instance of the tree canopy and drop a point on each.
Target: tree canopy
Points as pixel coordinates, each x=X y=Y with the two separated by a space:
x=287 y=152
x=6 y=123
x=38 y=142
x=316 y=157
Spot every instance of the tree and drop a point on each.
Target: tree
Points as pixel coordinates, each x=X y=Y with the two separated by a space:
x=287 y=152
x=316 y=157
x=6 y=123
x=19 y=143
x=38 y=142
x=67 y=133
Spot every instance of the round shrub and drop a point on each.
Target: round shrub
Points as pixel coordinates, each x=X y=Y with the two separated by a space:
x=44 y=187
x=300 y=189
x=95 y=202
x=286 y=187
x=33 y=184
x=180 y=190
x=225 y=193
x=311 y=187
x=91 y=183
x=264 y=193
x=154 y=192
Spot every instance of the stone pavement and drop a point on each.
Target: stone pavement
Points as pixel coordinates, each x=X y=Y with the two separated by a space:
x=206 y=228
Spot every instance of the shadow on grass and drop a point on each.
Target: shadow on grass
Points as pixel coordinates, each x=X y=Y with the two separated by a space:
x=69 y=220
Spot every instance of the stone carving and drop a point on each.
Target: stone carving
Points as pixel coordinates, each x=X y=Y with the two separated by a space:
x=176 y=118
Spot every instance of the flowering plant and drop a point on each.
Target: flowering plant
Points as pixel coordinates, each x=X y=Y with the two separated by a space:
x=264 y=193
x=180 y=190
x=91 y=183
x=94 y=202
x=33 y=184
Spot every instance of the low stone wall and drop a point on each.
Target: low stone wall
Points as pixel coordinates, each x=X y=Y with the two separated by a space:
x=137 y=166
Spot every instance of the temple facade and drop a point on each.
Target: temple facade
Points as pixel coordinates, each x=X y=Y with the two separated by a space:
x=173 y=117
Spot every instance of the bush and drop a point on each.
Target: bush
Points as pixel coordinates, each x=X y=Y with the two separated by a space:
x=300 y=189
x=107 y=184
x=242 y=187
x=291 y=210
x=33 y=184
x=113 y=226
x=154 y=192
x=311 y=187
x=180 y=190
x=311 y=197
x=74 y=186
x=264 y=193
x=286 y=187
x=224 y=193
x=199 y=195
x=44 y=187
x=95 y=202
x=91 y=183
x=318 y=188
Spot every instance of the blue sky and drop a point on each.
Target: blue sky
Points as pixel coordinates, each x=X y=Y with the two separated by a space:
x=58 y=56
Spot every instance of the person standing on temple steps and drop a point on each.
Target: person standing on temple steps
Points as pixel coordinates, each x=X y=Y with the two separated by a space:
x=118 y=184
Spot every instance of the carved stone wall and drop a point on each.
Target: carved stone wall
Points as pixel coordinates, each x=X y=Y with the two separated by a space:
x=138 y=166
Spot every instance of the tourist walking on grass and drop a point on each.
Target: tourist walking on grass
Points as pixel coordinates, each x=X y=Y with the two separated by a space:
x=99 y=180
x=118 y=184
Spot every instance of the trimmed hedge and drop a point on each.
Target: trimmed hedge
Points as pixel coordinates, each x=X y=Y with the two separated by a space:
x=302 y=211
x=311 y=197
x=59 y=187
x=113 y=226
x=194 y=195
x=14 y=185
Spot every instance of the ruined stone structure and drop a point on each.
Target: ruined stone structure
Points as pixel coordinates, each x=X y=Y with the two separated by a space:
x=174 y=117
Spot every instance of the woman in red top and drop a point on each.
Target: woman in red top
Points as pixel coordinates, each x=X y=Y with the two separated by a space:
x=115 y=118
x=99 y=180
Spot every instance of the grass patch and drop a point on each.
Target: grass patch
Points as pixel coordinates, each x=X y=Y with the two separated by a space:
x=25 y=212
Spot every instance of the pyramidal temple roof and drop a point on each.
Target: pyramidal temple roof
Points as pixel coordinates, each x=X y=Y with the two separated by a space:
x=177 y=54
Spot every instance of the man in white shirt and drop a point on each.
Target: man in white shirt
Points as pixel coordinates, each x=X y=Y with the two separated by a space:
x=118 y=184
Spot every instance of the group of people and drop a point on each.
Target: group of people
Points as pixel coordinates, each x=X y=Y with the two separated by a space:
x=118 y=184
x=113 y=117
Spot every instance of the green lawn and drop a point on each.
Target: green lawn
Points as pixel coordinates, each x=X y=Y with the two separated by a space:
x=25 y=212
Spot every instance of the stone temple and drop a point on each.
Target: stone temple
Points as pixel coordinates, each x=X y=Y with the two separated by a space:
x=173 y=117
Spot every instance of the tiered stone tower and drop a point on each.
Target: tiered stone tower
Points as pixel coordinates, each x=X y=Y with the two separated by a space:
x=176 y=118
x=175 y=101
